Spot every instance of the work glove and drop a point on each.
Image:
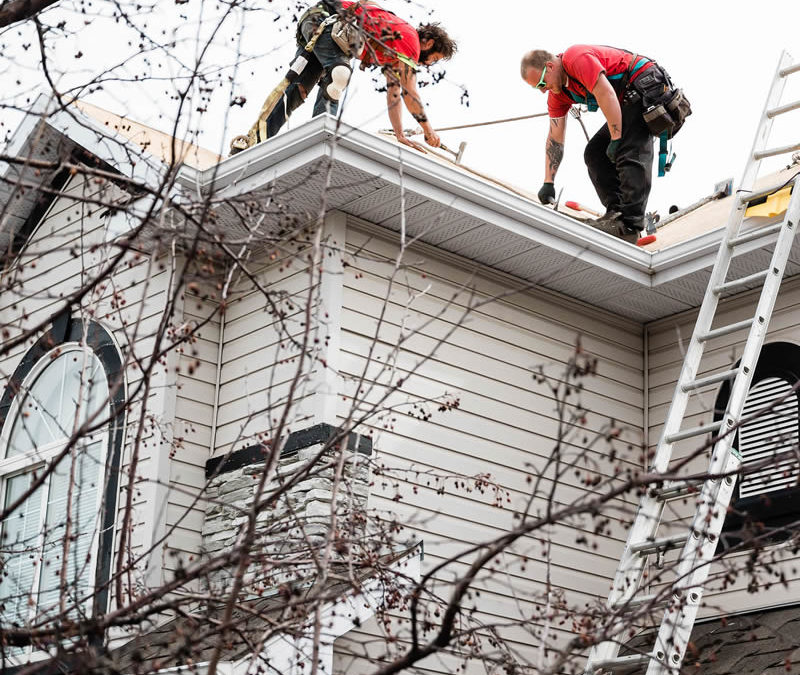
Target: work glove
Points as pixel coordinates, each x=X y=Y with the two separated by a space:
x=613 y=147
x=547 y=193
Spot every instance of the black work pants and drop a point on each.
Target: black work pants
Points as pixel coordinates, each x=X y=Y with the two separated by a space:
x=623 y=185
x=320 y=62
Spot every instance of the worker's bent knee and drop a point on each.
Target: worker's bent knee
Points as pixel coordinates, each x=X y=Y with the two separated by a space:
x=339 y=77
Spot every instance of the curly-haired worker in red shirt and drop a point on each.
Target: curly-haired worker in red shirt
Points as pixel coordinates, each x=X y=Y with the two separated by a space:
x=379 y=39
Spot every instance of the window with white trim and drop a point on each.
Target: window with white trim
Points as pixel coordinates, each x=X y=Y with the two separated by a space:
x=60 y=437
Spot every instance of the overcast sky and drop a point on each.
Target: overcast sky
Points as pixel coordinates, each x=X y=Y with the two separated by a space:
x=722 y=56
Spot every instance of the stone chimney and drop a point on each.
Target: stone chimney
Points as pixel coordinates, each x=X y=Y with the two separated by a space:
x=294 y=526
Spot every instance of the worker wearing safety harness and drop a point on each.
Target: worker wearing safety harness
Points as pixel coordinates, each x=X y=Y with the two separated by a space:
x=638 y=101
x=378 y=38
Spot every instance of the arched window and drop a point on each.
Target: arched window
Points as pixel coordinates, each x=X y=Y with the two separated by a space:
x=59 y=454
x=768 y=491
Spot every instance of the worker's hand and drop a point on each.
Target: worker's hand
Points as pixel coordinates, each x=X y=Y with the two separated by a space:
x=547 y=193
x=432 y=139
x=612 y=149
x=411 y=144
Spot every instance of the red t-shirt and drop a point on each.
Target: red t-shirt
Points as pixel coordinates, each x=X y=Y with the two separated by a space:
x=583 y=64
x=393 y=39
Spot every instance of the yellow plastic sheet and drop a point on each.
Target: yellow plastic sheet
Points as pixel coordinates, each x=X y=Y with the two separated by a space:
x=776 y=203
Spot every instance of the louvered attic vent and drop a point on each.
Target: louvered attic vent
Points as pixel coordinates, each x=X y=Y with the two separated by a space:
x=774 y=431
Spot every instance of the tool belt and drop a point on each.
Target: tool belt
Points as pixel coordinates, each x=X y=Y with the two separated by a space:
x=665 y=106
x=344 y=29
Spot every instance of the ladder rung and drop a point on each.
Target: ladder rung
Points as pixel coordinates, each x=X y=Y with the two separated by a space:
x=677 y=489
x=725 y=330
x=655 y=545
x=755 y=234
x=783 y=109
x=764 y=192
x=761 y=154
x=621 y=663
x=743 y=281
x=790 y=69
x=635 y=602
x=711 y=379
x=693 y=431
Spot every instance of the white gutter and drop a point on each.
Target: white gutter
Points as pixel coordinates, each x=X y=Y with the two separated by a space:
x=449 y=185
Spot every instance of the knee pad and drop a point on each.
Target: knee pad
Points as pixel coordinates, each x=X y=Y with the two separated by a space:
x=339 y=77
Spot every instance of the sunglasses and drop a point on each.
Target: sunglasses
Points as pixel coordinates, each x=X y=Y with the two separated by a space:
x=541 y=83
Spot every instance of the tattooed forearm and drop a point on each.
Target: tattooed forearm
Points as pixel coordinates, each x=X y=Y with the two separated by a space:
x=615 y=129
x=420 y=117
x=555 y=153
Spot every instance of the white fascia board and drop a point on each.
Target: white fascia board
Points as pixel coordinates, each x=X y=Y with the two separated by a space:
x=275 y=157
x=699 y=253
x=686 y=258
x=107 y=145
x=25 y=130
x=323 y=136
x=515 y=214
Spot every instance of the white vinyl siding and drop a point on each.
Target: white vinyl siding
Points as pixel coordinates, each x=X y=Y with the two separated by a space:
x=774 y=431
x=431 y=336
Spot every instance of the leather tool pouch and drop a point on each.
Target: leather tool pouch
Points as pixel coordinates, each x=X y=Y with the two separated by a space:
x=348 y=37
x=665 y=107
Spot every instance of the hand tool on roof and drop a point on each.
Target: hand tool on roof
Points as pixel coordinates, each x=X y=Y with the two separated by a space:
x=575 y=111
x=458 y=155
x=580 y=207
x=258 y=132
x=683 y=598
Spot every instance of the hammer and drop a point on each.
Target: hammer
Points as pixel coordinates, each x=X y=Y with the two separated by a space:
x=458 y=155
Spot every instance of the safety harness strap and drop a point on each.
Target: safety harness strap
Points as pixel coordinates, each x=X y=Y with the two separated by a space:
x=590 y=101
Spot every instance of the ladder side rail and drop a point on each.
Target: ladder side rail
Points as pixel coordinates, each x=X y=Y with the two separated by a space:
x=693 y=570
x=687 y=592
x=650 y=510
x=629 y=572
x=765 y=123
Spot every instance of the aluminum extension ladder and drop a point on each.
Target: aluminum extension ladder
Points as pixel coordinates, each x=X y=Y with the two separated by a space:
x=701 y=538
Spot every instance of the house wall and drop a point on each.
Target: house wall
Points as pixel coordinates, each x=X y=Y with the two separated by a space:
x=266 y=344
x=66 y=250
x=458 y=477
x=666 y=339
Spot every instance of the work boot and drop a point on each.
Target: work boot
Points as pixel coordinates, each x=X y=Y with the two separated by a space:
x=612 y=223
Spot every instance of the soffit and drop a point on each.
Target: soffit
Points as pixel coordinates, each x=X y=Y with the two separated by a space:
x=325 y=165
x=457 y=210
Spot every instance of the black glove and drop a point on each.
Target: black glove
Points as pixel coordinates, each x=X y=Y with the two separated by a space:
x=547 y=193
x=613 y=147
